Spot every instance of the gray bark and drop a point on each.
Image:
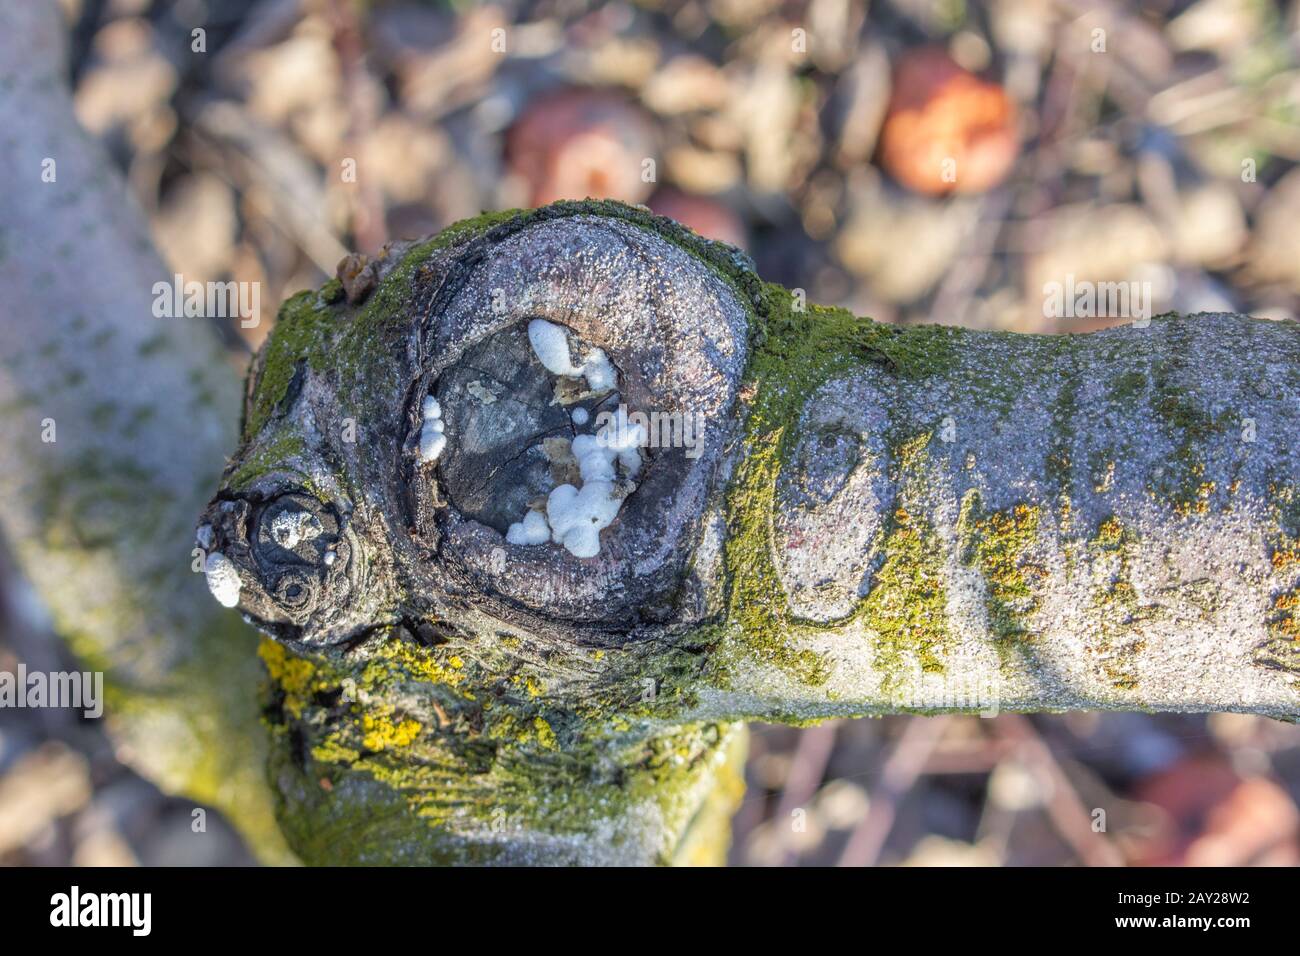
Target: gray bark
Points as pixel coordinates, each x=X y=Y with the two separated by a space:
x=114 y=425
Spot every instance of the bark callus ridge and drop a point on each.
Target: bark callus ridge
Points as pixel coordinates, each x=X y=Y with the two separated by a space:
x=415 y=539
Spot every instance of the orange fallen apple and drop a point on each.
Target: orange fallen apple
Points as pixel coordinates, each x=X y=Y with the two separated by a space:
x=947 y=130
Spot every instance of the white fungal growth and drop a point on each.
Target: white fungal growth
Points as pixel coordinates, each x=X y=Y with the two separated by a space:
x=608 y=461
x=432 y=437
x=599 y=372
x=595 y=462
x=532 y=530
x=289 y=528
x=578 y=516
x=575 y=516
x=550 y=344
x=223 y=579
x=624 y=439
x=618 y=440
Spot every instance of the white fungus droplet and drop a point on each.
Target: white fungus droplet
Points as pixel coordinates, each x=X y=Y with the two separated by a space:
x=599 y=372
x=223 y=579
x=550 y=344
x=618 y=440
x=577 y=516
x=595 y=462
x=203 y=536
x=622 y=435
x=432 y=437
x=532 y=530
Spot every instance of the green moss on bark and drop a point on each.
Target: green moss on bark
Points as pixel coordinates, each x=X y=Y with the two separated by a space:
x=796 y=349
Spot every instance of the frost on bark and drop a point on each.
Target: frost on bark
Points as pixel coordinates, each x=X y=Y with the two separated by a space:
x=878 y=520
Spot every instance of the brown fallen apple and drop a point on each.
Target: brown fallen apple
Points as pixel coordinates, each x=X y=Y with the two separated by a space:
x=579 y=144
x=710 y=218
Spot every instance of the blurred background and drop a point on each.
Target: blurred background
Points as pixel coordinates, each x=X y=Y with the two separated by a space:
x=264 y=139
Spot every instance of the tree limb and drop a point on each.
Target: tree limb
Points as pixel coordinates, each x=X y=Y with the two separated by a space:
x=114 y=424
x=878 y=520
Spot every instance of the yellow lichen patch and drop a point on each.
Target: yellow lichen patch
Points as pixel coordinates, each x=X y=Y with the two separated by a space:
x=515 y=731
x=1282 y=649
x=1285 y=623
x=1001 y=544
x=545 y=735
x=1286 y=558
x=297 y=677
x=1110 y=534
x=909 y=454
x=397 y=659
x=1284 y=619
x=333 y=751
x=1198 y=500
x=381 y=731
x=532 y=685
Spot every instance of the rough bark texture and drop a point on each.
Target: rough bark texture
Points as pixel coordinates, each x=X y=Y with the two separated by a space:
x=140 y=411
x=881 y=520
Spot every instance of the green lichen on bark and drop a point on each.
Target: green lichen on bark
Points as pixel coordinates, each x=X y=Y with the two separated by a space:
x=403 y=738
x=905 y=611
x=1001 y=544
x=796 y=348
x=1191 y=427
x=276 y=450
x=1119 y=615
